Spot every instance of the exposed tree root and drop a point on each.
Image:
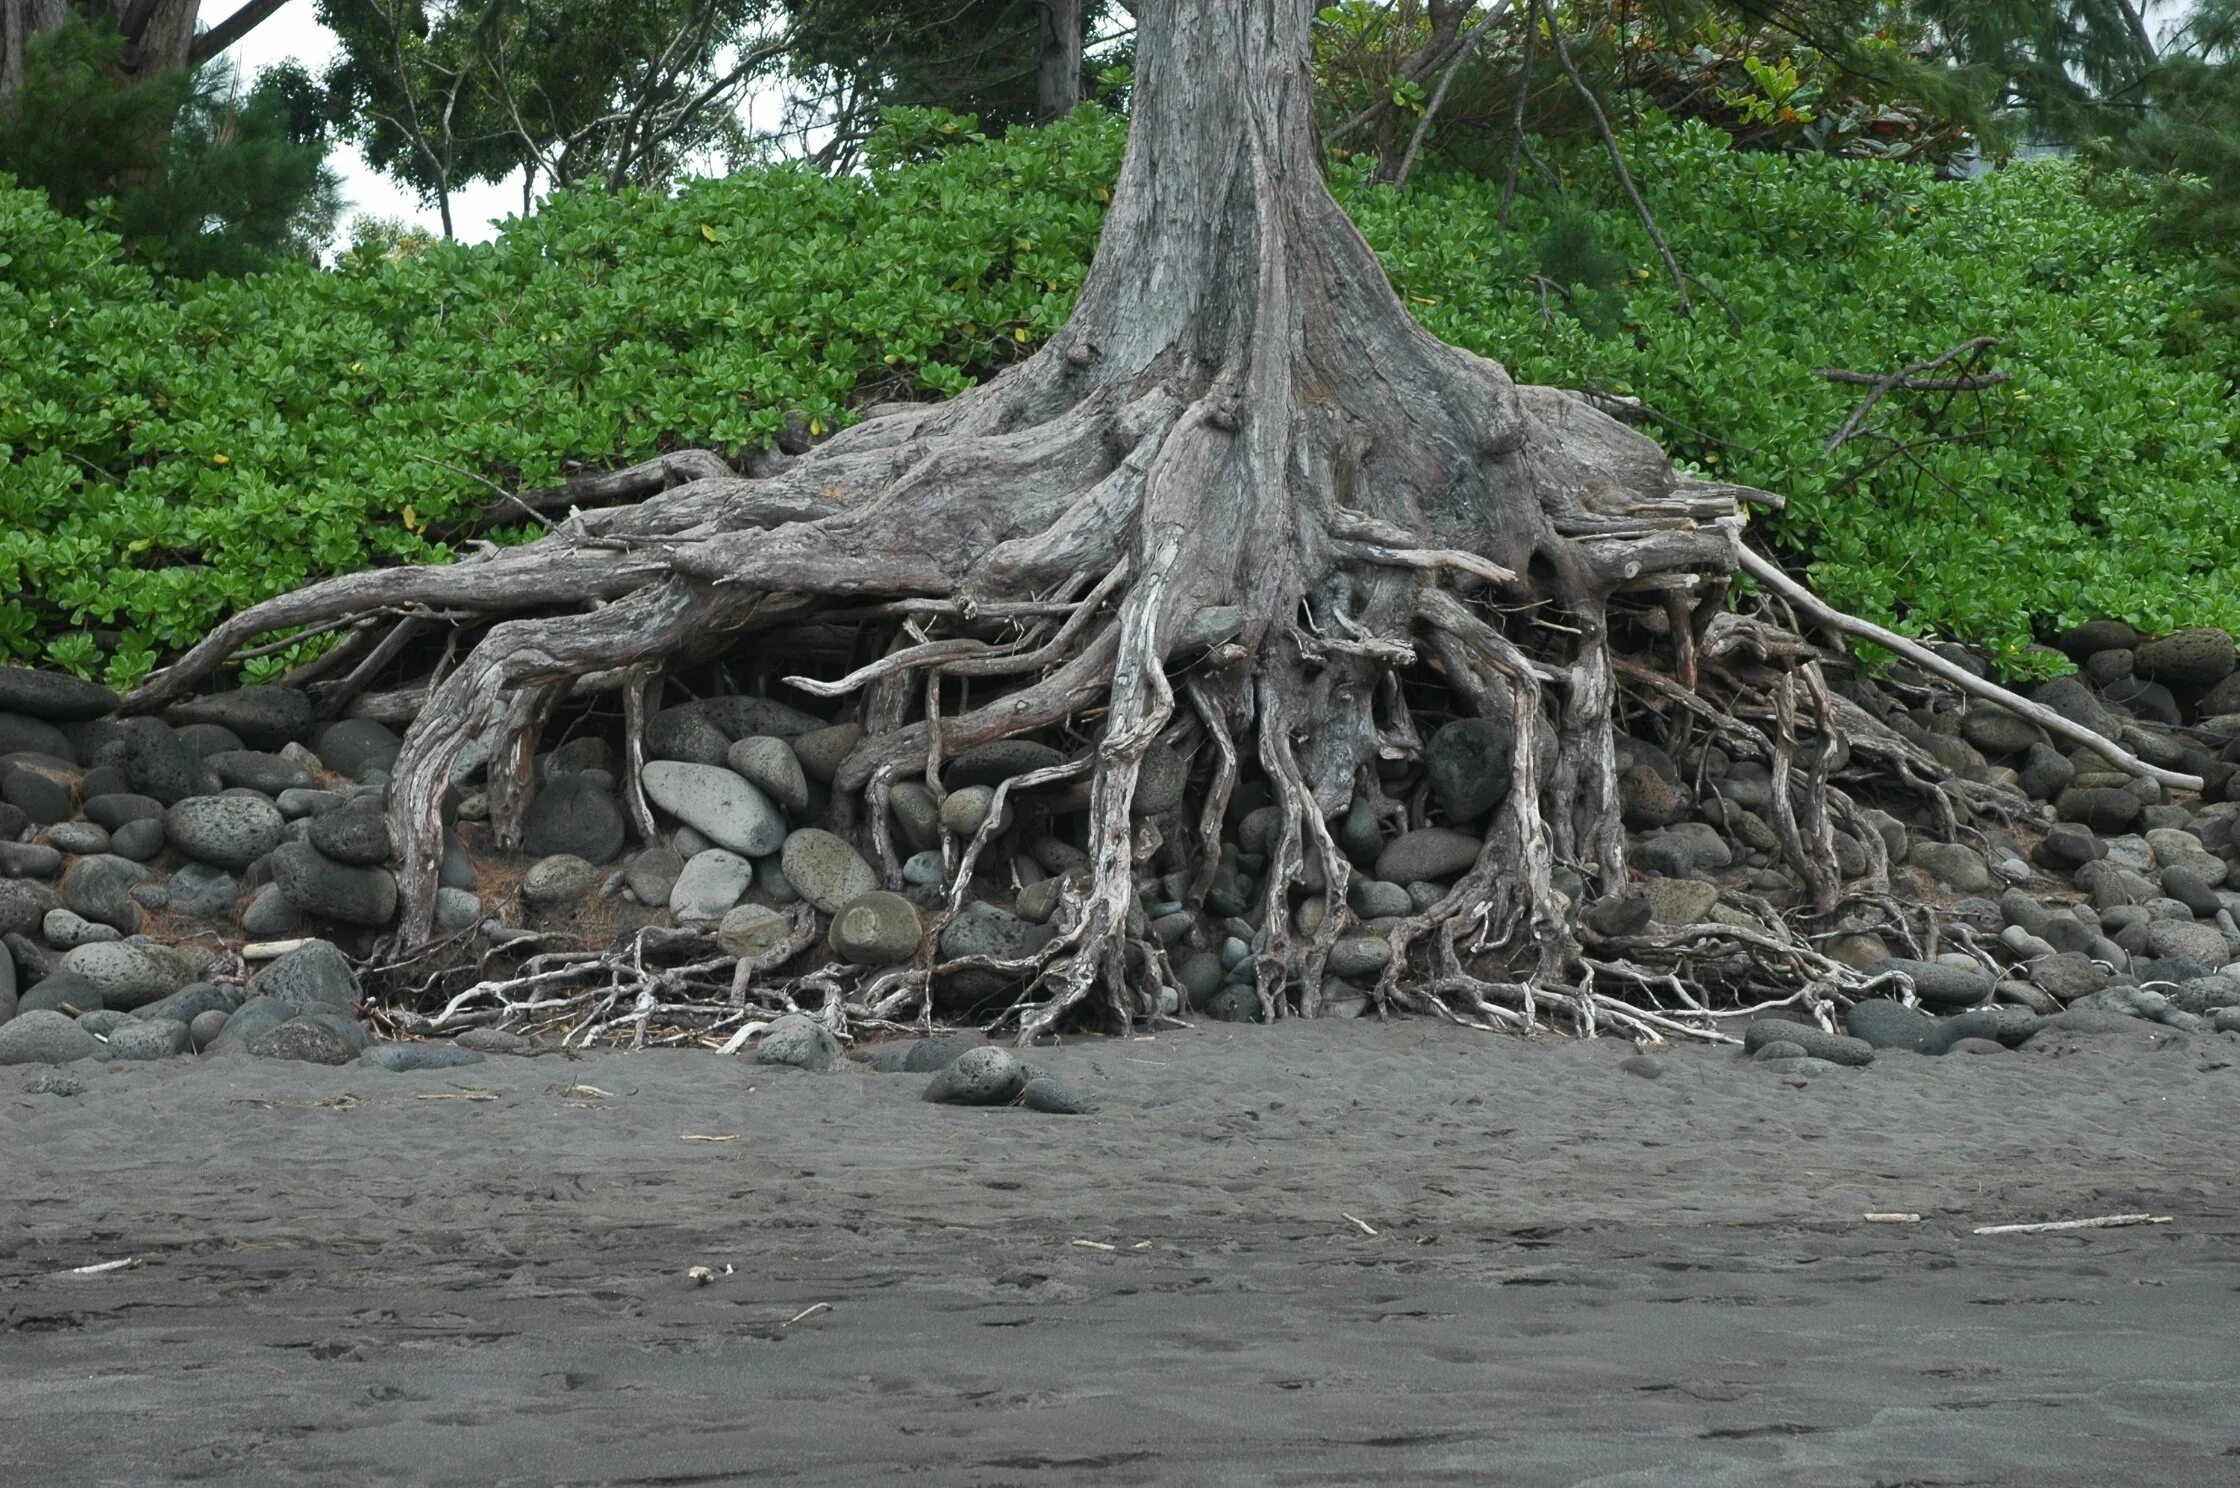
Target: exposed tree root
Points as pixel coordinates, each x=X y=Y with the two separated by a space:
x=1237 y=511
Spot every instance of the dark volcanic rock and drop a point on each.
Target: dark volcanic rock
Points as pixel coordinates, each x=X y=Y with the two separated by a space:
x=980 y=1077
x=55 y=697
x=2196 y=658
x=1939 y=985
x=319 y=886
x=355 y=833
x=995 y=762
x=228 y=831
x=1049 y=1094
x=159 y=763
x=313 y=976
x=1468 y=764
x=100 y=888
x=1886 y=1023
x=577 y=815
x=268 y=773
x=45 y=1037
x=800 y=1041
x=1817 y=1042
x=357 y=746
x=311 y=1039
x=264 y=717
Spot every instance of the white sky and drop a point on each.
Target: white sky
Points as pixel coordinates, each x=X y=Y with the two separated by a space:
x=294 y=32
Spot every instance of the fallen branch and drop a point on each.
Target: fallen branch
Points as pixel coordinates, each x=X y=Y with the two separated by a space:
x=2098 y=1222
x=1770 y=575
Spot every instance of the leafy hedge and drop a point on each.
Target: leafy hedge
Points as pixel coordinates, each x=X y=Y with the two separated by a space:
x=171 y=451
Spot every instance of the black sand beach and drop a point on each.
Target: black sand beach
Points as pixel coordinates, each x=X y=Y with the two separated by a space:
x=1577 y=1275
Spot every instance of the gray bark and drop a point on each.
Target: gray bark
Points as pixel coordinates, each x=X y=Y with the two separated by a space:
x=1058 y=59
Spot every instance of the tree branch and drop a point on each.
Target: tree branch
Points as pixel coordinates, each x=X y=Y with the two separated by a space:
x=251 y=15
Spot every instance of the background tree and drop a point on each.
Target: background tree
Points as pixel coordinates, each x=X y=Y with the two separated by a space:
x=199 y=173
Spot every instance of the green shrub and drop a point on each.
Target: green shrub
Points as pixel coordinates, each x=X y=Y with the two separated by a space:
x=171 y=451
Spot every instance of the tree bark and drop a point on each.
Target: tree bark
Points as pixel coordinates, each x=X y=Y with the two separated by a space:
x=1058 y=59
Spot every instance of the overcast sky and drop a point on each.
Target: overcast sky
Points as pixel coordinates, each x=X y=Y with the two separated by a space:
x=295 y=33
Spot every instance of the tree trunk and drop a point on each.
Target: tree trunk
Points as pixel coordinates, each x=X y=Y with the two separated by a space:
x=1249 y=493
x=1057 y=73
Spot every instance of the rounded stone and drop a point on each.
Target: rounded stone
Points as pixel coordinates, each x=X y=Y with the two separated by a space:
x=750 y=930
x=78 y=838
x=997 y=761
x=1836 y=1048
x=268 y=773
x=1886 y=1023
x=964 y=810
x=799 y=1041
x=685 y=734
x=325 y=889
x=200 y=891
x=404 y=1058
x=2192 y=940
x=264 y=716
x=558 y=881
x=1939 y=985
x=227 y=831
x=1053 y=1097
x=137 y=1041
x=652 y=874
x=206 y=1027
x=2197 y=658
x=825 y=870
x=100 y=888
x=916 y=814
x=1467 y=763
x=985 y=1076
x=44 y=1036
x=770 y=765
x=1951 y=864
x=158 y=763
x=821 y=750
x=1427 y=853
x=66 y=929
x=877 y=929
x=574 y=814
x=718 y=803
x=711 y=883
x=56 y=697
x=269 y=914
x=130 y=973
x=1160 y=781
x=112 y=809
x=1360 y=956
x=457 y=909
x=310 y=1039
x=355 y=832
x=36 y=794
x=356 y=747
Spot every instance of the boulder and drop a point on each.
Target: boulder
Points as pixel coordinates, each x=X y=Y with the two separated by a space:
x=2191 y=659
x=55 y=697
x=355 y=833
x=711 y=883
x=986 y=1076
x=799 y=1041
x=1939 y=985
x=877 y=929
x=1427 y=853
x=265 y=717
x=574 y=814
x=309 y=1038
x=558 y=882
x=997 y=761
x=226 y=831
x=45 y=1037
x=770 y=765
x=749 y=930
x=158 y=763
x=1468 y=763
x=1818 y=1043
x=357 y=747
x=825 y=870
x=325 y=889
x=313 y=976
x=718 y=803
x=100 y=888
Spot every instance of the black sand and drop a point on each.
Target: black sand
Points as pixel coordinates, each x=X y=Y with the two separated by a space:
x=1578 y=1276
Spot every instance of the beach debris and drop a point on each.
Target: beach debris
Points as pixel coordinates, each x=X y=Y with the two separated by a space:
x=102 y=1268
x=1889 y=1217
x=1366 y=1227
x=702 y=1275
x=2097 y=1222
x=810 y=1311
x=1094 y=1245
x=703 y=1137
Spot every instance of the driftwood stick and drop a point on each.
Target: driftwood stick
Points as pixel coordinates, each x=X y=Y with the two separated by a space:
x=1766 y=573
